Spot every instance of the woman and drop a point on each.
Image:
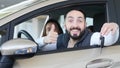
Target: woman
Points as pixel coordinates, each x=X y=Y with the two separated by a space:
x=50 y=33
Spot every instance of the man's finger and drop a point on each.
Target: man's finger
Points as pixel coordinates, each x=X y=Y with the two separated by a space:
x=103 y=30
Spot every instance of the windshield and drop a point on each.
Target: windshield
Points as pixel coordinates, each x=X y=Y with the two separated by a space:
x=15 y=8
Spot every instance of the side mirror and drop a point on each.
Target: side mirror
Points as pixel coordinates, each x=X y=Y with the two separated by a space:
x=19 y=48
x=16 y=48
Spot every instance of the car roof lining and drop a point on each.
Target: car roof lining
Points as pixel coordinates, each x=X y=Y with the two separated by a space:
x=90 y=10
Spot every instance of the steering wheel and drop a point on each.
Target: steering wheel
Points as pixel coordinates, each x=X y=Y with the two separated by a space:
x=26 y=34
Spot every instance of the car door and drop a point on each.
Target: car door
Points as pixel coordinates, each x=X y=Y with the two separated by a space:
x=97 y=12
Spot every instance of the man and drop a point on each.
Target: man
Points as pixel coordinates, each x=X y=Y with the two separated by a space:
x=78 y=36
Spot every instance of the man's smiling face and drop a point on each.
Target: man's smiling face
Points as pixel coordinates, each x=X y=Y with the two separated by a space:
x=75 y=24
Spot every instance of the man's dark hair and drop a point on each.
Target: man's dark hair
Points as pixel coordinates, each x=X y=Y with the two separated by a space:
x=76 y=10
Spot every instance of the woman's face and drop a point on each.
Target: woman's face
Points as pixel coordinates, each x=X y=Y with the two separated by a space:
x=48 y=28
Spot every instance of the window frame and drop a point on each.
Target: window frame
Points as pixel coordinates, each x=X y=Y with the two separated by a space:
x=5 y=37
x=48 y=8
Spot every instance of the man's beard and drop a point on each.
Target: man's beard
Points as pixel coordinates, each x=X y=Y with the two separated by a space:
x=75 y=36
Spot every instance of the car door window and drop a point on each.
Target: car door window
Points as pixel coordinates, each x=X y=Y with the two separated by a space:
x=33 y=26
x=96 y=15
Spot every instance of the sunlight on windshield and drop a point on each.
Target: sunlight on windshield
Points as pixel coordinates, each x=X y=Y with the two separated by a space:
x=15 y=8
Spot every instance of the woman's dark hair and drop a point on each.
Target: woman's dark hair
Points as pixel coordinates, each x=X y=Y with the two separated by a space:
x=57 y=26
